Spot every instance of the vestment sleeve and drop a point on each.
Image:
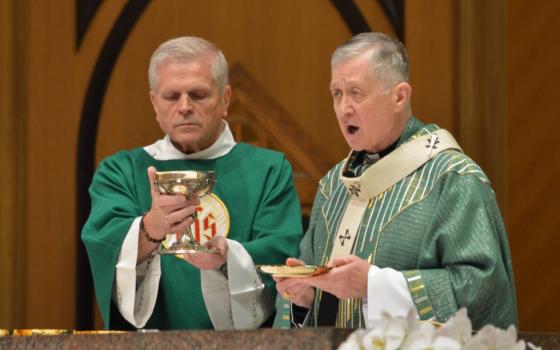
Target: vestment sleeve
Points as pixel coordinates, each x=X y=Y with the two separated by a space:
x=136 y=286
x=275 y=234
x=276 y=229
x=464 y=259
x=238 y=300
x=113 y=210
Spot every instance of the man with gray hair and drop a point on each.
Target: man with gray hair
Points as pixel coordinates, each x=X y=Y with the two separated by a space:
x=251 y=217
x=406 y=223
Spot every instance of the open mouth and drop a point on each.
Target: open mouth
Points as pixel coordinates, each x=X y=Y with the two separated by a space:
x=352 y=129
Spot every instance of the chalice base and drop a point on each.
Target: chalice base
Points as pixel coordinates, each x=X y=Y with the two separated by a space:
x=184 y=248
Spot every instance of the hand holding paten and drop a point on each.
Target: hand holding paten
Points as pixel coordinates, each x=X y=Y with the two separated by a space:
x=295 y=289
x=346 y=279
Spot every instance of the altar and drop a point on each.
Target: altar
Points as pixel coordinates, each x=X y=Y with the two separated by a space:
x=267 y=338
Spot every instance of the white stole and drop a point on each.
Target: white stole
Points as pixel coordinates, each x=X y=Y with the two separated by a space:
x=381 y=176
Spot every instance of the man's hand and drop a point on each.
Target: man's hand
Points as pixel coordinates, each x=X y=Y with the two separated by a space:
x=206 y=261
x=346 y=279
x=169 y=213
x=294 y=289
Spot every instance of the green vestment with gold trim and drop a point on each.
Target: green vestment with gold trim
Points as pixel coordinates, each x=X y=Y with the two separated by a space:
x=256 y=186
x=440 y=226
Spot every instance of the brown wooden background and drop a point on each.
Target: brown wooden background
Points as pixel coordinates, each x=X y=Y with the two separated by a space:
x=486 y=70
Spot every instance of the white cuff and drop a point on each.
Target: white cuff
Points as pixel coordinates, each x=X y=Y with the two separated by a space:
x=239 y=302
x=215 y=290
x=136 y=287
x=386 y=291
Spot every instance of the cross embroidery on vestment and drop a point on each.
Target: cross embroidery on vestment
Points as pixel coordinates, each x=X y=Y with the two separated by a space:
x=344 y=237
x=354 y=190
x=432 y=142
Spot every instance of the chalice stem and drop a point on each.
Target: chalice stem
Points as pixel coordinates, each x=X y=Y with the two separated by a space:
x=192 y=184
x=189 y=236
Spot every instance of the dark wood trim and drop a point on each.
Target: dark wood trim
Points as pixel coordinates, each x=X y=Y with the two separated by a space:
x=356 y=22
x=394 y=10
x=85 y=11
x=352 y=16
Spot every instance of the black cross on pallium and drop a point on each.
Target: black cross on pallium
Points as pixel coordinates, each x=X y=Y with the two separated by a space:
x=354 y=190
x=432 y=141
x=344 y=237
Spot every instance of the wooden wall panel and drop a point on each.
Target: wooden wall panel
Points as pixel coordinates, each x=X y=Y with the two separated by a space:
x=12 y=168
x=289 y=57
x=534 y=159
x=430 y=40
x=57 y=76
x=499 y=66
x=285 y=46
x=54 y=91
x=481 y=88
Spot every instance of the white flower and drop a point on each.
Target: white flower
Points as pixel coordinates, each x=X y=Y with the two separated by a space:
x=353 y=341
x=444 y=343
x=392 y=333
x=389 y=333
x=492 y=338
x=426 y=337
x=458 y=327
x=532 y=346
x=421 y=337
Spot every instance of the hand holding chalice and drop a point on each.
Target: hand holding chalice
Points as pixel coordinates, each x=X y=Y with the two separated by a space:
x=190 y=184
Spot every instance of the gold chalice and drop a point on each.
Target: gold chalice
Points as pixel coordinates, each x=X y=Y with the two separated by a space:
x=191 y=184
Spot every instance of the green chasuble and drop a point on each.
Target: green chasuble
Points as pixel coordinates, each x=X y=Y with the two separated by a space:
x=256 y=186
x=440 y=226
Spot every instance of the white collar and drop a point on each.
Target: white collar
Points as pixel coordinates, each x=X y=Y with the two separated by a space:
x=165 y=150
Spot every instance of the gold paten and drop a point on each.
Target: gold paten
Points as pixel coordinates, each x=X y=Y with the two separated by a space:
x=293 y=271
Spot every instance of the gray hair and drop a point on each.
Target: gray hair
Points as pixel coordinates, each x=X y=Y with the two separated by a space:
x=388 y=58
x=185 y=48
